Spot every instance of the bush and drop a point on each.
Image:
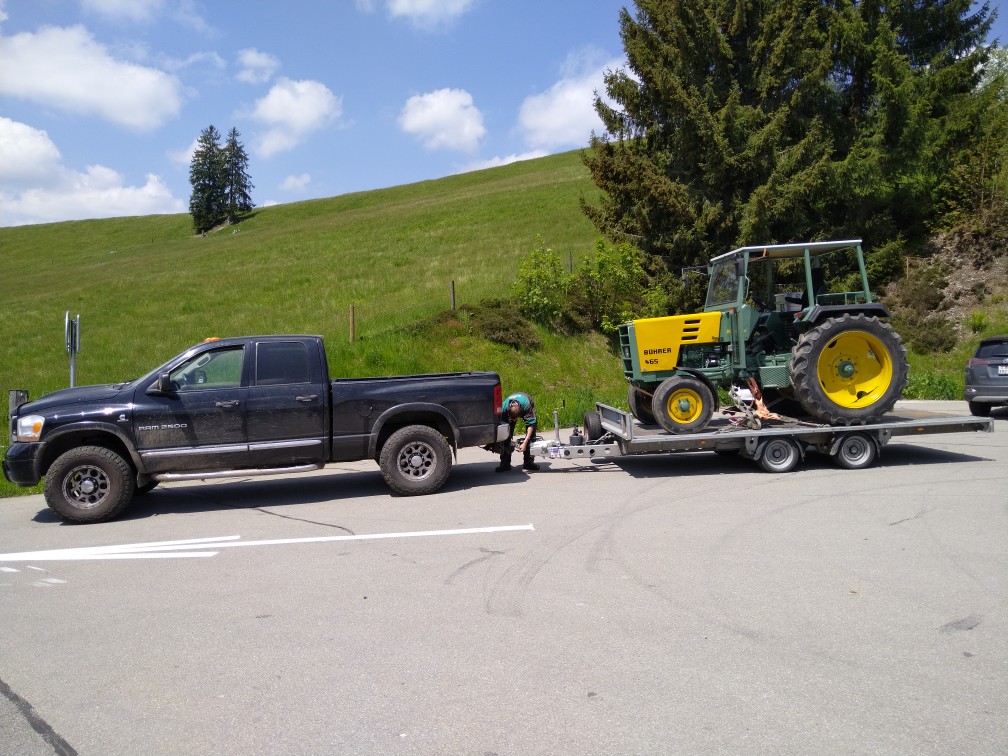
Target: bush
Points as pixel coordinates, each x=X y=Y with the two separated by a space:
x=925 y=335
x=501 y=321
x=541 y=288
x=929 y=385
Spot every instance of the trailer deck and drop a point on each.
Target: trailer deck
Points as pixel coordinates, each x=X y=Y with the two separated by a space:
x=777 y=445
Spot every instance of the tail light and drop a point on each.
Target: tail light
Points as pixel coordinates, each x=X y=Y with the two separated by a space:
x=974 y=362
x=498 y=397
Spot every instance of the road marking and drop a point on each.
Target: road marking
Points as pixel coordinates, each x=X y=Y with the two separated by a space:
x=189 y=548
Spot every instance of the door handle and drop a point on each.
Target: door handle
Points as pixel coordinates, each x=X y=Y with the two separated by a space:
x=307 y=397
x=228 y=404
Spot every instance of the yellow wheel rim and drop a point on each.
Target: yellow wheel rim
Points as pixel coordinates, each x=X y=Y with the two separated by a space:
x=855 y=369
x=685 y=406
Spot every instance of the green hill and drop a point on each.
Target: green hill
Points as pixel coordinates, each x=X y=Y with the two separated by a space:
x=146 y=287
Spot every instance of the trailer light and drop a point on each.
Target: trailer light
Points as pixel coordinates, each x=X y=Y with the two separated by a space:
x=29 y=428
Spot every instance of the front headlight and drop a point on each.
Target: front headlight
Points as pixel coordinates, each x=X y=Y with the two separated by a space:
x=29 y=428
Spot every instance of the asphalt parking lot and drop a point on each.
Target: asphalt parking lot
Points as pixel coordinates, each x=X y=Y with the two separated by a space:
x=669 y=604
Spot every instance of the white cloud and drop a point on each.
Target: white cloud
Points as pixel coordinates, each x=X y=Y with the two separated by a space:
x=292 y=110
x=296 y=183
x=185 y=155
x=564 y=115
x=26 y=154
x=140 y=11
x=66 y=68
x=256 y=67
x=495 y=162
x=428 y=13
x=444 y=119
x=35 y=187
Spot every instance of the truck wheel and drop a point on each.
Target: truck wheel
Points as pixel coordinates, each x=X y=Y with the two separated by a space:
x=849 y=370
x=855 y=451
x=640 y=405
x=592 y=426
x=415 y=460
x=89 y=484
x=779 y=455
x=682 y=404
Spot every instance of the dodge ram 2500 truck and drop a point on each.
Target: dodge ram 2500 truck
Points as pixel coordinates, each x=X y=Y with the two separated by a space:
x=243 y=407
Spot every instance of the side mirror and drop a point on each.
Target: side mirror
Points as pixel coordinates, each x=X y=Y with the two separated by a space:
x=163 y=386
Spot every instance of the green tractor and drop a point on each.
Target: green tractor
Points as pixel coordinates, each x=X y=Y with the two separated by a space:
x=773 y=327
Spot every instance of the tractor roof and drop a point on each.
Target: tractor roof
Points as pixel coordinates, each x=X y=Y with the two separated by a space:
x=796 y=249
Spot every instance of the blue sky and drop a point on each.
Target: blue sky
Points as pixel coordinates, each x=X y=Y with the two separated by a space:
x=101 y=100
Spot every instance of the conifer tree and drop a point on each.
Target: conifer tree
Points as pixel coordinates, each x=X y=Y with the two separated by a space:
x=749 y=121
x=238 y=184
x=207 y=177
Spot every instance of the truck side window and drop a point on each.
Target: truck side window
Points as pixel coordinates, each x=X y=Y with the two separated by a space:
x=221 y=368
x=279 y=362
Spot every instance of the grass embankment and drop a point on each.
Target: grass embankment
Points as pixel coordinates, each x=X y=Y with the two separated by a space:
x=146 y=288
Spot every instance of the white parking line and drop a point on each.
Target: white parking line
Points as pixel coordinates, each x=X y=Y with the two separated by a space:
x=189 y=548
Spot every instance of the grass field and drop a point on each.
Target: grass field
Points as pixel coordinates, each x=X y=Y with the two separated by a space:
x=146 y=288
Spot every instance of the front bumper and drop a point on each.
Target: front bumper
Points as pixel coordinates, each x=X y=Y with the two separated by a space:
x=21 y=464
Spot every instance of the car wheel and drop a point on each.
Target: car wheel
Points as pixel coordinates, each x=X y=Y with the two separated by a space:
x=415 y=460
x=89 y=484
x=979 y=409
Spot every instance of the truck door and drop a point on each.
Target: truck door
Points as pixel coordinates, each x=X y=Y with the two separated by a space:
x=200 y=424
x=287 y=404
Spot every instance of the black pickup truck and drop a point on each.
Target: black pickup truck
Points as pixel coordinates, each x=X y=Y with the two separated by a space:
x=247 y=406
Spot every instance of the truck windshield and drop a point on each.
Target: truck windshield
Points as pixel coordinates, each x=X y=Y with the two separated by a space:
x=723 y=288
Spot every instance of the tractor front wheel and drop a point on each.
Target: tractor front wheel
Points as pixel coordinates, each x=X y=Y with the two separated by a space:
x=683 y=404
x=849 y=370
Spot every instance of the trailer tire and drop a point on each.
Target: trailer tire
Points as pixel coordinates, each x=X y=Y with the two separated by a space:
x=849 y=370
x=640 y=405
x=855 y=451
x=592 y=426
x=415 y=460
x=89 y=484
x=779 y=455
x=683 y=404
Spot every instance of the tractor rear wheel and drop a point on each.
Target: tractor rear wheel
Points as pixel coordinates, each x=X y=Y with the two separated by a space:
x=849 y=370
x=683 y=404
x=640 y=405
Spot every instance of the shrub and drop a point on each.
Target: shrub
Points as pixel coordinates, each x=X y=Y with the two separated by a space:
x=501 y=321
x=930 y=385
x=541 y=288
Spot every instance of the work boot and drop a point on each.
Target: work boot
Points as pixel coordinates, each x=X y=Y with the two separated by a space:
x=502 y=468
x=530 y=466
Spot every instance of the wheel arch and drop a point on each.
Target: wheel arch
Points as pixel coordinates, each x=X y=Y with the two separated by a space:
x=820 y=313
x=87 y=434
x=415 y=413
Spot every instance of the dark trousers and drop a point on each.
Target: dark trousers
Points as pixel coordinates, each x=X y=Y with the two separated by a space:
x=506 y=452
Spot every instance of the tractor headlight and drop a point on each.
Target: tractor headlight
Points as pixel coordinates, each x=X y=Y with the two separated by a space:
x=29 y=428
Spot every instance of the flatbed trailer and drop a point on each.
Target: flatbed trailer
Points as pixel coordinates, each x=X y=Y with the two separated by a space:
x=776 y=447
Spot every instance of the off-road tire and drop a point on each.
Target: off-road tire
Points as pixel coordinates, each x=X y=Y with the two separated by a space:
x=683 y=404
x=640 y=405
x=415 y=460
x=89 y=484
x=849 y=370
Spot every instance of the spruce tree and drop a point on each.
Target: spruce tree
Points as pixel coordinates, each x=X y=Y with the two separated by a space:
x=749 y=121
x=207 y=177
x=237 y=182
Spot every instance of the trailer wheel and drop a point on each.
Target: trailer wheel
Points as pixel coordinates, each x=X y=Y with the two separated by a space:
x=592 y=426
x=779 y=455
x=855 y=451
x=640 y=405
x=683 y=404
x=89 y=484
x=415 y=460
